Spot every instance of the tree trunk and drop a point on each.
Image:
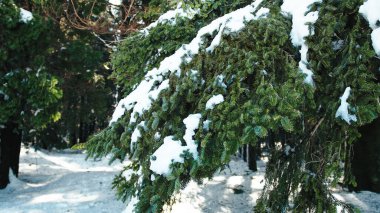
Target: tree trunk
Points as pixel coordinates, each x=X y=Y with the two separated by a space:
x=347 y=164
x=366 y=158
x=252 y=165
x=73 y=136
x=258 y=150
x=270 y=141
x=81 y=131
x=10 y=146
x=244 y=149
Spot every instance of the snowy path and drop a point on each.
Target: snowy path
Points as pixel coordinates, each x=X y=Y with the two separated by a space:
x=55 y=182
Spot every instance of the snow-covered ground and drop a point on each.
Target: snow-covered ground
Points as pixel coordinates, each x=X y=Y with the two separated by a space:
x=65 y=182
x=235 y=189
x=60 y=182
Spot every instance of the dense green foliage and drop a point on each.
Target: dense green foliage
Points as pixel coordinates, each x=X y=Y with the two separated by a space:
x=140 y=53
x=326 y=141
x=28 y=91
x=87 y=98
x=50 y=70
x=264 y=92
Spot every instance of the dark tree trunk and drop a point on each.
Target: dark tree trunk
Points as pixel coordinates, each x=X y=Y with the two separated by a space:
x=252 y=156
x=10 y=146
x=73 y=137
x=366 y=158
x=347 y=165
x=270 y=141
x=81 y=131
x=282 y=136
x=81 y=123
x=244 y=150
x=258 y=150
x=91 y=127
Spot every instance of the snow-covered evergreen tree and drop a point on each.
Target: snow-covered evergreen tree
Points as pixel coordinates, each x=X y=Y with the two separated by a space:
x=210 y=76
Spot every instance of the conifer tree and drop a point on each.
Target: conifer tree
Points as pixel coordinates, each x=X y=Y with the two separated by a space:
x=28 y=92
x=309 y=70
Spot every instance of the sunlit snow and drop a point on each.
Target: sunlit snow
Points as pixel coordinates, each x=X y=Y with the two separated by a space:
x=171 y=150
x=65 y=182
x=61 y=181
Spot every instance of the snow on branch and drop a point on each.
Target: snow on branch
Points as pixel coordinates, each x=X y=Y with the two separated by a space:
x=137 y=134
x=342 y=111
x=213 y=101
x=26 y=16
x=170 y=17
x=171 y=150
x=370 y=10
x=145 y=93
x=298 y=9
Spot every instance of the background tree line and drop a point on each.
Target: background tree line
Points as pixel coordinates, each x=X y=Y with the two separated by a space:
x=56 y=89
